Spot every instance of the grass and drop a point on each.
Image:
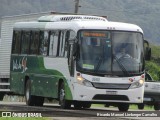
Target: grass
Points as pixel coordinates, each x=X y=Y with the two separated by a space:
x=153 y=69
x=146 y=107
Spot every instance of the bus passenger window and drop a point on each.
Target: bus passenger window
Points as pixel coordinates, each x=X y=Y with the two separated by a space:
x=25 y=42
x=16 y=42
x=43 y=43
x=34 y=42
x=53 y=43
x=66 y=45
x=62 y=44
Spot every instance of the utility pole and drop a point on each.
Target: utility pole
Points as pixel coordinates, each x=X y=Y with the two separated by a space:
x=76 y=6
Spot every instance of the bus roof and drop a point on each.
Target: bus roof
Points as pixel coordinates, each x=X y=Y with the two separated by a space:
x=76 y=22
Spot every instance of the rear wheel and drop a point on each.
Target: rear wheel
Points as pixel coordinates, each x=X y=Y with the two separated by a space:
x=123 y=107
x=65 y=104
x=30 y=99
x=39 y=101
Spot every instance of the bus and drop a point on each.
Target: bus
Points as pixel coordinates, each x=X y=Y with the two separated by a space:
x=73 y=59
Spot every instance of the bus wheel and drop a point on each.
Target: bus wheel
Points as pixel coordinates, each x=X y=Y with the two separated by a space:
x=157 y=106
x=65 y=104
x=78 y=105
x=39 y=101
x=141 y=106
x=123 y=106
x=30 y=100
x=86 y=105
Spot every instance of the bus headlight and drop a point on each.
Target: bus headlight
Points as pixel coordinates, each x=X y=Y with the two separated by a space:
x=84 y=82
x=137 y=84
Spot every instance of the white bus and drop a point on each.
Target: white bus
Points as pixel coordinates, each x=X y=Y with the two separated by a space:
x=75 y=59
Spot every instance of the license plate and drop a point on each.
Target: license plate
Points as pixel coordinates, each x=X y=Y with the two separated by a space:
x=147 y=99
x=111 y=92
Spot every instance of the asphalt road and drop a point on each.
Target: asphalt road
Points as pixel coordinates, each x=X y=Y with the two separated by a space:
x=53 y=110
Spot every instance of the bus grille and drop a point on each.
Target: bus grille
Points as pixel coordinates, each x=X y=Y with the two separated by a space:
x=111 y=86
x=111 y=97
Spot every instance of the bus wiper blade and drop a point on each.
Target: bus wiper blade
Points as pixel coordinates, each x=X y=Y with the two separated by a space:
x=100 y=61
x=121 y=66
x=99 y=64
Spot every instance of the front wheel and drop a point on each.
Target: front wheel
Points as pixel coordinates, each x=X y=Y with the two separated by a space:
x=78 y=105
x=65 y=104
x=123 y=106
x=86 y=105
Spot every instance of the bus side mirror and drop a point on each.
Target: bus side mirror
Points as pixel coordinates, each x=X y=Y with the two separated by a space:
x=76 y=50
x=147 y=50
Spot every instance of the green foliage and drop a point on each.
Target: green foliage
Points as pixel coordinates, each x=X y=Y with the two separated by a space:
x=153 y=66
x=154 y=70
x=146 y=107
x=155 y=51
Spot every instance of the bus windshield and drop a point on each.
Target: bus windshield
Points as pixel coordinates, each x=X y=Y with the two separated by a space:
x=111 y=53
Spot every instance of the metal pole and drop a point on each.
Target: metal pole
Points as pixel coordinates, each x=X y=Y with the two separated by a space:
x=76 y=6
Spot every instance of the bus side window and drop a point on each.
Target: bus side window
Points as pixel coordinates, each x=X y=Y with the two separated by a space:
x=66 y=44
x=25 y=42
x=34 y=42
x=62 y=44
x=53 y=47
x=43 y=46
x=67 y=47
x=16 y=42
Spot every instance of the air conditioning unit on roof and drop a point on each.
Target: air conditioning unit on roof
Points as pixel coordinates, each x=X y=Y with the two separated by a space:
x=57 y=18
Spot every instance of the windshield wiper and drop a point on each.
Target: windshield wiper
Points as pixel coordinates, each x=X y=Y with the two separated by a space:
x=121 y=66
x=100 y=61
x=99 y=64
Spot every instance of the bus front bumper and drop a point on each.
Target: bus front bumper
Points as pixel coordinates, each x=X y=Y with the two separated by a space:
x=91 y=94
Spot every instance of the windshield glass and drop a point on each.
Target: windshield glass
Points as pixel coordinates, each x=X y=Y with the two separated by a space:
x=110 y=53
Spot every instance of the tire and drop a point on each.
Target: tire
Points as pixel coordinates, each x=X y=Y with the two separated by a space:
x=141 y=106
x=30 y=99
x=86 y=105
x=123 y=107
x=157 y=106
x=64 y=104
x=78 y=105
x=39 y=101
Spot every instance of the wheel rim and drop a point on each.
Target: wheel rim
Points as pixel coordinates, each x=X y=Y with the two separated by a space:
x=62 y=95
x=27 y=93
